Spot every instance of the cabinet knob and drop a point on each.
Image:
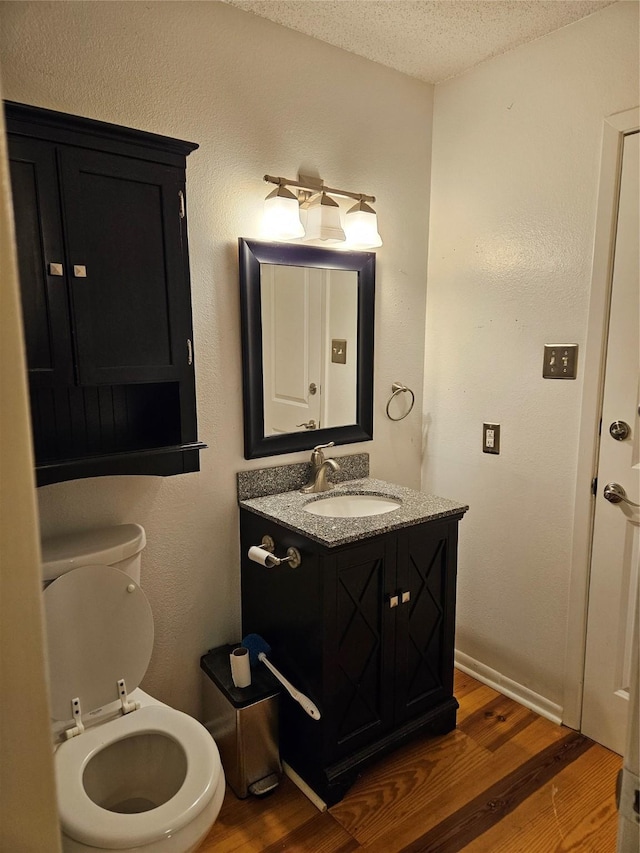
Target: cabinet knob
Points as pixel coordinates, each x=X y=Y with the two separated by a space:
x=79 y=271
x=406 y=596
x=56 y=269
x=393 y=601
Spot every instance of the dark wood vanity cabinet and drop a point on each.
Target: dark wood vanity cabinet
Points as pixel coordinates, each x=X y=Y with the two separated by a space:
x=104 y=274
x=367 y=631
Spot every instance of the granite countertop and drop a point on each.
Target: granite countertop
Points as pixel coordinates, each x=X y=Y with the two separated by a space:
x=286 y=509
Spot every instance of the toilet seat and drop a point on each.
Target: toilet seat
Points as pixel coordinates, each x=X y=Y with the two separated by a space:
x=85 y=821
x=99 y=630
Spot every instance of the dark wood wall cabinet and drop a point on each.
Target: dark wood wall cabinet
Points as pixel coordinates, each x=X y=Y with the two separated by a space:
x=101 y=234
x=366 y=630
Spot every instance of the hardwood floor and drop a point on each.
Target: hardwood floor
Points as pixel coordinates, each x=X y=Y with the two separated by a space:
x=505 y=781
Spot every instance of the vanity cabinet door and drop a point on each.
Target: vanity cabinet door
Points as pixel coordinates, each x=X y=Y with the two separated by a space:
x=360 y=639
x=426 y=621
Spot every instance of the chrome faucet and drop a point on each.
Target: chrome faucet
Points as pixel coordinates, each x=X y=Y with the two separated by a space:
x=318 y=476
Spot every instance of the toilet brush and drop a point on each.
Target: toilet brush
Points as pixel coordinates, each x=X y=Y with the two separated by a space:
x=258 y=651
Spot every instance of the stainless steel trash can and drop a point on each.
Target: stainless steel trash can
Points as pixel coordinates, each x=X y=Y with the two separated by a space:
x=243 y=722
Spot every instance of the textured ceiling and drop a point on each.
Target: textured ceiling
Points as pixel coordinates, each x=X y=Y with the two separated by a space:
x=428 y=39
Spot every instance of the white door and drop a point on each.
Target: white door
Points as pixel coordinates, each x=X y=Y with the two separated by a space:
x=613 y=587
x=292 y=318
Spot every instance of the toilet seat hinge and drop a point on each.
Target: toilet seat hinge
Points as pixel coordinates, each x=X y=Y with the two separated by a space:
x=127 y=705
x=76 y=710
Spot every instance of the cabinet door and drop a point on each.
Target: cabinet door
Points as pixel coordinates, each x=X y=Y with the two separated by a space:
x=43 y=287
x=129 y=294
x=361 y=645
x=425 y=626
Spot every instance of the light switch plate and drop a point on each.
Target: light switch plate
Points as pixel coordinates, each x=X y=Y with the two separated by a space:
x=338 y=351
x=560 y=361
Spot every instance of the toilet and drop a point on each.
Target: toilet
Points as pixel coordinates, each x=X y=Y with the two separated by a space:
x=132 y=774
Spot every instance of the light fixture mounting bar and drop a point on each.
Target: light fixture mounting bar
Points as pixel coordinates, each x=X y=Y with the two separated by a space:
x=317 y=185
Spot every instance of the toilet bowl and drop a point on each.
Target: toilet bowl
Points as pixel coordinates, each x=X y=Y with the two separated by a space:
x=132 y=774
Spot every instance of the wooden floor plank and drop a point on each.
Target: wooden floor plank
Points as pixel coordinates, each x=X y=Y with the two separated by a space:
x=496 y=722
x=574 y=811
x=322 y=834
x=474 y=700
x=389 y=794
x=463 y=684
x=499 y=799
x=251 y=825
x=389 y=808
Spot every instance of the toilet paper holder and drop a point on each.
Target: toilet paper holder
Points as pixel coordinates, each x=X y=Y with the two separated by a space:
x=292 y=557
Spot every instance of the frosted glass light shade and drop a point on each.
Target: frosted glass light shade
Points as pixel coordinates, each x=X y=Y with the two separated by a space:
x=361 y=227
x=281 y=219
x=323 y=220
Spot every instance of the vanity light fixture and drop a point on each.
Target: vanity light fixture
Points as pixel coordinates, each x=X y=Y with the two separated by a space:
x=323 y=220
x=361 y=226
x=282 y=215
x=320 y=214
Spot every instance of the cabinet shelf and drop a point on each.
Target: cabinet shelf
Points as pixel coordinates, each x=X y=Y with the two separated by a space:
x=157 y=461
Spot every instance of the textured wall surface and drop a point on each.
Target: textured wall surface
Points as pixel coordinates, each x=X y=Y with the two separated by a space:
x=257 y=98
x=516 y=155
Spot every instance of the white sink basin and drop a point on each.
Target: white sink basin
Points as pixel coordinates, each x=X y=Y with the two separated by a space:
x=352 y=506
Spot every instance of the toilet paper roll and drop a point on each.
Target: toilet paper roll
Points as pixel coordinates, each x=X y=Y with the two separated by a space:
x=240 y=667
x=262 y=556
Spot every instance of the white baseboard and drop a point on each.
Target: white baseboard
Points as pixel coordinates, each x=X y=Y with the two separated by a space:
x=299 y=782
x=509 y=688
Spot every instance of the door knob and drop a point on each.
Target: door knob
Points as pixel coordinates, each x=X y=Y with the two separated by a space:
x=615 y=494
x=309 y=425
x=619 y=430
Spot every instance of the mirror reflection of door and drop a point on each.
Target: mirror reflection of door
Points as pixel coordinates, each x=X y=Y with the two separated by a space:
x=309 y=381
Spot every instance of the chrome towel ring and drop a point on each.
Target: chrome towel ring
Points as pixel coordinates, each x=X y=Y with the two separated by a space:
x=399 y=388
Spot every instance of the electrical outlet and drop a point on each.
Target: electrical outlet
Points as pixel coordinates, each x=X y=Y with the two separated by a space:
x=491 y=438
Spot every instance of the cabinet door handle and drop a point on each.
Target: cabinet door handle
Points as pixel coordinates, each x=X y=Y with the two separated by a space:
x=56 y=269
x=79 y=271
x=406 y=596
x=393 y=601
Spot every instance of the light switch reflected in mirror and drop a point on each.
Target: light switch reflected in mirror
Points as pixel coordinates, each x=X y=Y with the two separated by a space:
x=307 y=336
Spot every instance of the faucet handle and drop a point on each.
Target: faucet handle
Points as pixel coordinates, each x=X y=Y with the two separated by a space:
x=323 y=446
x=317 y=456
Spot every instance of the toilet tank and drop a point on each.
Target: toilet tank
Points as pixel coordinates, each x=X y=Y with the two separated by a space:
x=119 y=546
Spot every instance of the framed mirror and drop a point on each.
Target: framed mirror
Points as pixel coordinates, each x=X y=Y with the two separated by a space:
x=307 y=346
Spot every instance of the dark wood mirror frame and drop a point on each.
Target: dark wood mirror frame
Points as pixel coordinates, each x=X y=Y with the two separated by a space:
x=251 y=254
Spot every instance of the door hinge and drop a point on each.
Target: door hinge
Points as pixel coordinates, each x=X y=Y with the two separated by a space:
x=182 y=207
x=594 y=486
x=189 y=352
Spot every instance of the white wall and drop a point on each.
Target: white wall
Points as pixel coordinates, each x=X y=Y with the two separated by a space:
x=26 y=763
x=258 y=98
x=516 y=152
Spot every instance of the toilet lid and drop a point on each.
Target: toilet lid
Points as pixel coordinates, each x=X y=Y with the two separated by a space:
x=99 y=629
